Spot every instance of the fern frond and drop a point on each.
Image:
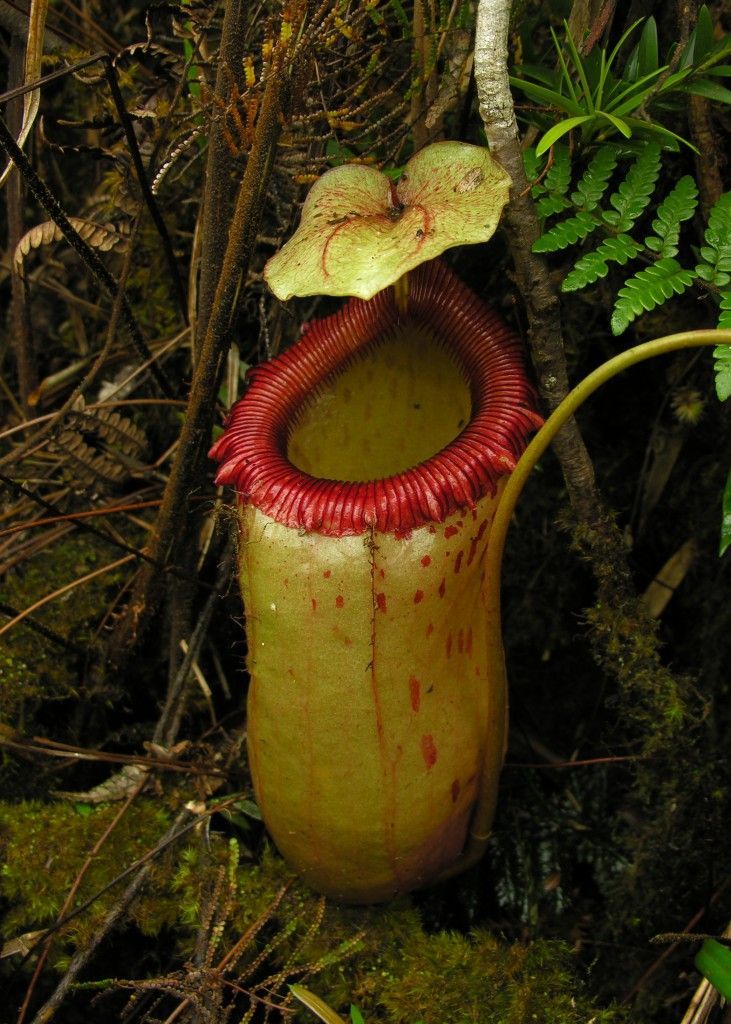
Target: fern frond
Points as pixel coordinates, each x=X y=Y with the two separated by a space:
x=678 y=205
x=119 y=432
x=725 y=541
x=550 y=193
x=558 y=179
x=633 y=195
x=722 y=353
x=722 y=370
x=648 y=289
x=724 y=316
x=532 y=165
x=594 y=181
x=566 y=232
x=715 y=265
x=595 y=264
x=101 y=236
x=549 y=206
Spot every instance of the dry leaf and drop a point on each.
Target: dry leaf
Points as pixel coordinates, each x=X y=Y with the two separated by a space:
x=667 y=581
x=31 y=72
x=22 y=945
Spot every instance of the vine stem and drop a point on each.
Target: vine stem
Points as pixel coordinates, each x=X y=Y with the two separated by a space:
x=496 y=671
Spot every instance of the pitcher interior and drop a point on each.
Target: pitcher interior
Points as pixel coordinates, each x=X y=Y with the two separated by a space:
x=395 y=405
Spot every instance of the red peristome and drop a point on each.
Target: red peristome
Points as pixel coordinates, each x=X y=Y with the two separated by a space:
x=253 y=449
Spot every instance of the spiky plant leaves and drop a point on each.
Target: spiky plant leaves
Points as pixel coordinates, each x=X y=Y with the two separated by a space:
x=633 y=195
x=595 y=265
x=567 y=232
x=701 y=40
x=559 y=130
x=594 y=181
x=678 y=205
x=645 y=57
x=359 y=234
x=647 y=289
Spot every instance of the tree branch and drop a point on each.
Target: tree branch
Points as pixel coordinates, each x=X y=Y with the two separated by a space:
x=522 y=229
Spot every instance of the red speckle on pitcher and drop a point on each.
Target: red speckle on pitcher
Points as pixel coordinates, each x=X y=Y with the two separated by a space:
x=428 y=750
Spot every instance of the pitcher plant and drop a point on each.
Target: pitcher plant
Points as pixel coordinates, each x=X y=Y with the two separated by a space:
x=369 y=460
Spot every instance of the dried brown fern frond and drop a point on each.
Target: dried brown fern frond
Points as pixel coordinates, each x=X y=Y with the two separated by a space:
x=250 y=980
x=103 y=237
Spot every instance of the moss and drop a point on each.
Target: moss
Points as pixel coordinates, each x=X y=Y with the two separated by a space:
x=448 y=977
x=380 y=958
x=399 y=973
x=31 y=666
x=44 y=846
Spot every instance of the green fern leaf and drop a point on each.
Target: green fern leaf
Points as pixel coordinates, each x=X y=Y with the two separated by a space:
x=678 y=205
x=593 y=183
x=558 y=179
x=725 y=541
x=722 y=353
x=633 y=195
x=722 y=369
x=548 y=206
x=550 y=192
x=724 y=316
x=715 y=265
x=566 y=232
x=595 y=264
x=648 y=289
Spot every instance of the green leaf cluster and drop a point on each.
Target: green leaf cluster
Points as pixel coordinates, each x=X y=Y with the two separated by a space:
x=594 y=100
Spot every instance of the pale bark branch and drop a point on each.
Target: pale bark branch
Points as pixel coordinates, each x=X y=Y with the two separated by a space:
x=522 y=229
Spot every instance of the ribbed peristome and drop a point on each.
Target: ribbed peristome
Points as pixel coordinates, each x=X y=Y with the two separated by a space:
x=253 y=450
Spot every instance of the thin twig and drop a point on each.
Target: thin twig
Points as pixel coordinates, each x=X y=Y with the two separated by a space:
x=51 y=748
x=150 y=202
x=166 y=730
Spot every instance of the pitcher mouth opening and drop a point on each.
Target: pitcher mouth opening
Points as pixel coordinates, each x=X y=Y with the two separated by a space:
x=381 y=417
x=398 y=402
